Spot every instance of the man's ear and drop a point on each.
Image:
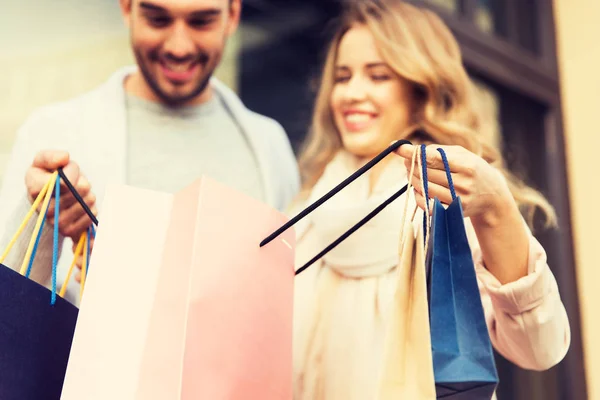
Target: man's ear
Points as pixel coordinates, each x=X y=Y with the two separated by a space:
x=235 y=11
x=126 y=6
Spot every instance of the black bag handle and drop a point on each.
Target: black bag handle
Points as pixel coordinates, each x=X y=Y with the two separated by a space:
x=393 y=147
x=77 y=196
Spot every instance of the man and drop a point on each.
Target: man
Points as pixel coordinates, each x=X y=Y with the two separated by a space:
x=158 y=125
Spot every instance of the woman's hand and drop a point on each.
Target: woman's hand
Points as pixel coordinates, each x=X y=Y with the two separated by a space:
x=486 y=200
x=482 y=189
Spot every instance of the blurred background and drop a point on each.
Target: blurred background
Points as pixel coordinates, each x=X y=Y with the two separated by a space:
x=536 y=64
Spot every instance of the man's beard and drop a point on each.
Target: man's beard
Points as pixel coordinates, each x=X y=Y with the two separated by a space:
x=172 y=100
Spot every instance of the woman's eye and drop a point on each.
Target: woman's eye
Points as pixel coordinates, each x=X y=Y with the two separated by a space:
x=380 y=77
x=340 y=79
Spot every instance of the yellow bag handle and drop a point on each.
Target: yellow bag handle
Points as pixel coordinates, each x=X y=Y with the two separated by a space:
x=28 y=216
x=38 y=224
x=45 y=196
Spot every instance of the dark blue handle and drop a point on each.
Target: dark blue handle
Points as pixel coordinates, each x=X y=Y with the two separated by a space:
x=448 y=174
x=426 y=183
x=425 y=187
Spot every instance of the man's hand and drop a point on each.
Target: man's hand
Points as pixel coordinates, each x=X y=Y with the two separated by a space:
x=73 y=219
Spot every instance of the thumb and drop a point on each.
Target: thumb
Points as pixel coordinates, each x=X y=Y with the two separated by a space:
x=50 y=160
x=72 y=172
x=406 y=151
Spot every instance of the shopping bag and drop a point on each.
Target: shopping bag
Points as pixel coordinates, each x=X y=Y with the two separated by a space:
x=407 y=370
x=181 y=302
x=36 y=323
x=408 y=366
x=463 y=358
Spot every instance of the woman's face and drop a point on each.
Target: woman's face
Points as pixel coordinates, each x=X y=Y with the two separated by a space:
x=370 y=104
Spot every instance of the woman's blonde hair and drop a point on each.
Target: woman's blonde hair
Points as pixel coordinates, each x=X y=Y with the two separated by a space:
x=418 y=47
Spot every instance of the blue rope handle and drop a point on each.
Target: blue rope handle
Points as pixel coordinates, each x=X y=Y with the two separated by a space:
x=91 y=233
x=91 y=230
x=55 y=240
x=56 y=233
x=425 y=187
x=448 y=174
x=424 y=172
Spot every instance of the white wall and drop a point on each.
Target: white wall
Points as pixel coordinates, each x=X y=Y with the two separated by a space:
x=578 y=33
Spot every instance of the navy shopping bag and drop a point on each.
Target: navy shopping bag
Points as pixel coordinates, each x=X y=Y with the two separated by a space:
x=463 y=358
x=36 y=324
x=35 y=339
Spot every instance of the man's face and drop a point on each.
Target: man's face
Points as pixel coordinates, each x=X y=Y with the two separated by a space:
x=179 y=43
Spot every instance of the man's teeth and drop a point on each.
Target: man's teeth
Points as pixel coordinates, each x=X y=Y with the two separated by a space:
x=358 y=118
x=178 y=67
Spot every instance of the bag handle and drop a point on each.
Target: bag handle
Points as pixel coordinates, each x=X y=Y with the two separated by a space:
x=41 y=219
x=424 y=182
x=77 y=196
x=409 y=186
x=393 y=147
x=52 y=187
x=34 y=206
x=35 y=238
x=448 y=174
x=425 y=189
x=83 y=242
x=446 y=169
x=85 y=238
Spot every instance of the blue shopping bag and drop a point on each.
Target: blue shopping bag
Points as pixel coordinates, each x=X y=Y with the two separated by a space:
x=36 y=323
x=463 y=358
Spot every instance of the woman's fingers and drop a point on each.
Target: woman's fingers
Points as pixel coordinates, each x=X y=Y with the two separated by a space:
x=434 y=190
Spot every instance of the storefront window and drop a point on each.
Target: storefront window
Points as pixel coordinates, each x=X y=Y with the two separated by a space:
x=452 y=6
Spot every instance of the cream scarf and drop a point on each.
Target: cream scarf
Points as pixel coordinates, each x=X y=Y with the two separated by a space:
x=353 y=285
x=373 y=249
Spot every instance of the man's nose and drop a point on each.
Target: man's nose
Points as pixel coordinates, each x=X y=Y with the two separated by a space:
x=179 y=45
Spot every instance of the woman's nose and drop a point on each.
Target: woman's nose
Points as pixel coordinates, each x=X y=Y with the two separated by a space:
x=356 y=89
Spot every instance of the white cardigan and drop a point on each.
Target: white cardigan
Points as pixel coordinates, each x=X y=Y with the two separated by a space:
x=92 y=128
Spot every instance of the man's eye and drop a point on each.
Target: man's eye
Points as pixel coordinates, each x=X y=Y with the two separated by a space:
x=159 y=22
x=199 y=23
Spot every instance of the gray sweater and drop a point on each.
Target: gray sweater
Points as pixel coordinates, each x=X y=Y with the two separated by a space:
x=108 y=146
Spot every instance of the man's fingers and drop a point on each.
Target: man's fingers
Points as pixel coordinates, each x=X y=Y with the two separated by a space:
x=73 y=220
x=68 y=200
x=74 y=229
x=72 y=172
x=82 y=187
x=50 y=160
x=35 y=179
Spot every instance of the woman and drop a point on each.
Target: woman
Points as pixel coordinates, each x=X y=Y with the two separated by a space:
x=395 y=71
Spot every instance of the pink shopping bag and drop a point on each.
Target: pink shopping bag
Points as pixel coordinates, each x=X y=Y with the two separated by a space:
x=181 y=302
